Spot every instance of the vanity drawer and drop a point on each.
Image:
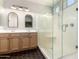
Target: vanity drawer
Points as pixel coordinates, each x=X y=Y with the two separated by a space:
x=4 y=35
x=19 y=34
x=24 y=34
x=14 y=35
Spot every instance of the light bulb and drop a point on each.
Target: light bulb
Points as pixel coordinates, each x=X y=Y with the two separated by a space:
x=20 y=8
x=27 y=10
x=13 y=7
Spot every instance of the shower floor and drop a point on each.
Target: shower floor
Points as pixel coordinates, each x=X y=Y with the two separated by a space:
x=28 y=54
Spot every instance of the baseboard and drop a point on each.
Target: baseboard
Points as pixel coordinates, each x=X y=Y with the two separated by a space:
x=44 y=53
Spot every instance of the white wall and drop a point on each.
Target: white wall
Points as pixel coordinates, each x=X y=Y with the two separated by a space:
x=1 y=3
x=21 y=18
x=45 y=28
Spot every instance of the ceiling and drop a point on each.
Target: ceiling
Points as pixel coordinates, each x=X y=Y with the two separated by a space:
x=43 y=2
x=39 y=6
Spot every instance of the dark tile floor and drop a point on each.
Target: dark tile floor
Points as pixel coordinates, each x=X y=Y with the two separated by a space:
x=29 y=54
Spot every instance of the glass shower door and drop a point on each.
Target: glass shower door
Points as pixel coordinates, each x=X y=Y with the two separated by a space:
x=69 y=35
x=65 y=29
x=57 y=30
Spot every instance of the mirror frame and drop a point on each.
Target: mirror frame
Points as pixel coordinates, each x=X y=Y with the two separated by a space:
x=30 y=16
x=9 y=25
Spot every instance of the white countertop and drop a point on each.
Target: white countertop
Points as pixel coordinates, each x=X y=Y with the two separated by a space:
x=16 y=31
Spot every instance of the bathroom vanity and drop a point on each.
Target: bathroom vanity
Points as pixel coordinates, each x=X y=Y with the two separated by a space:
x=14 y=42
x=16 y=36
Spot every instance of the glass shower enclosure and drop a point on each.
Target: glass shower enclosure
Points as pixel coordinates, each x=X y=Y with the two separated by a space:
x=57 y=34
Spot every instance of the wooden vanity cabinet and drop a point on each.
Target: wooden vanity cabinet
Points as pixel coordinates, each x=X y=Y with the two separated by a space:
x=12 y=42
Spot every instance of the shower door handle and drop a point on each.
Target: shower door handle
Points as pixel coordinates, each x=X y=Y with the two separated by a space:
x=76 y=46
x=64 y=27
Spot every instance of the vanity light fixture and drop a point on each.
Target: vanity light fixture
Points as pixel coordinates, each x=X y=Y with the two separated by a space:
x=27 y=10
x=21 y=8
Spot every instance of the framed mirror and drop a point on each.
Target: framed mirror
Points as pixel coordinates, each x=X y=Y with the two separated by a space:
x=28 y=21
x=12 y=20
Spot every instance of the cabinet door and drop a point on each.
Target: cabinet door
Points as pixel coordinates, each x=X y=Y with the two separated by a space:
x=25 y=42
x=33 y=40
x=14 y=43
x=4 y=44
